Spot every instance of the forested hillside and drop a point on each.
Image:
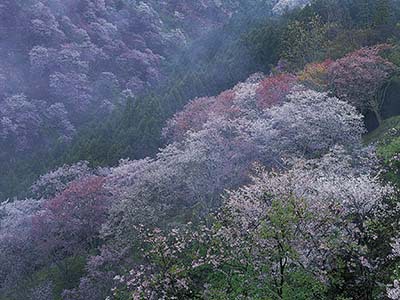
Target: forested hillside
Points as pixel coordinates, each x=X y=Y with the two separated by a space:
x=200 y=150
x=66 y=64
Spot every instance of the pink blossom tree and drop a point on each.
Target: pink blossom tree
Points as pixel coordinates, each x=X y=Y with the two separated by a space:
x=274 y=89
x=295 y=221
x=358 y=76
x=308 y=124
x=56 y=181
x=70 y=222
x=19 y=257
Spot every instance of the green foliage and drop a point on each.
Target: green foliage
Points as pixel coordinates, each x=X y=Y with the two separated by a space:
x=394 y=55
x=382 y=14
x=378 y=133
x=300 y=285
x=64 y=275
x=264 y=42
x=390 y=149
x=387 y=139
x=304 y=42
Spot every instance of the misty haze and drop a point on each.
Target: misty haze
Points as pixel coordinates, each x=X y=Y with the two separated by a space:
x=199 y=149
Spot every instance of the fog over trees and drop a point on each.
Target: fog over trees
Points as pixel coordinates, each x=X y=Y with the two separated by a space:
x=199 y=149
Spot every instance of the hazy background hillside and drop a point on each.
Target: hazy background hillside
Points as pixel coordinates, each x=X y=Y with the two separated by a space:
x=210 y=150
x=68 y=63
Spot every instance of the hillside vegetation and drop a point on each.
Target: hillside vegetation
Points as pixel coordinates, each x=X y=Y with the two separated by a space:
x=262 y=162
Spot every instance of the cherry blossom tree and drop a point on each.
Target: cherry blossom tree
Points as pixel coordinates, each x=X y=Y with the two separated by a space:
x=217 y=152
x=55 y=182
x=393 y=290
x=19 y=258
x=42 y=292
x=238 y=102
x=358 y=76
x=20 y=122
x=74 y=87
x=309 y=124
x=70 y=222
x=274 y=89
x=192 y=117
x=63 y=53
x=184 y=176
x=297 y=221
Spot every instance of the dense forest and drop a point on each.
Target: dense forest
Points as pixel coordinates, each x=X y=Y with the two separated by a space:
x=216 y=150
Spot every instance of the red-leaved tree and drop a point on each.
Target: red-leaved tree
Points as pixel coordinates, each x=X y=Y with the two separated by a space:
x=274 y=89
x=358 y=76
x=70 y=222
